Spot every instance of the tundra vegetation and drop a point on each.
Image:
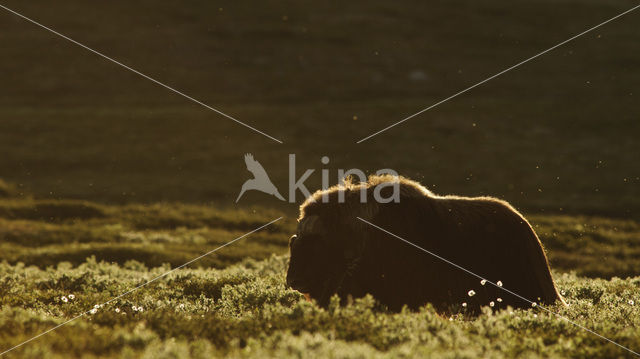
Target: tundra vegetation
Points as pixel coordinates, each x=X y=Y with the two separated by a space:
x=61 y=258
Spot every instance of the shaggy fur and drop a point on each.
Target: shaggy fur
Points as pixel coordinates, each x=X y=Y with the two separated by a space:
x=335 y=253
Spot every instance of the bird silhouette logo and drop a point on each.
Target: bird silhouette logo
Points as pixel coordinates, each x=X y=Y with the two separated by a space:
x=260 y=180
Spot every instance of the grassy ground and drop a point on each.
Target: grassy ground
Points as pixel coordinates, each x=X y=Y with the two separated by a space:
x=245 y=311
x=234 y=301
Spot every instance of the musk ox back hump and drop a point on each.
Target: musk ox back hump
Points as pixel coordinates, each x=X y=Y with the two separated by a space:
x=340 y=254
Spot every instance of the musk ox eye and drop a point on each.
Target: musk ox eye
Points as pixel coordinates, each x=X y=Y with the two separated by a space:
x=310 y=225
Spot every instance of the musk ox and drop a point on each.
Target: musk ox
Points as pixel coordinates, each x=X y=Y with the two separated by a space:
x=333 y=252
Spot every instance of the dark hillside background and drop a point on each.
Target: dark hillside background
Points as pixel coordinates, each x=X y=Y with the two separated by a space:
x=557 y=135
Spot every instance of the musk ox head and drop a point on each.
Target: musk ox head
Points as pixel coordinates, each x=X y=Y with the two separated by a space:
x=320 y=259
x=329 y=241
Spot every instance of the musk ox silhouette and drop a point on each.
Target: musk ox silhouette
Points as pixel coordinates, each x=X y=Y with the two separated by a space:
x=335 y=253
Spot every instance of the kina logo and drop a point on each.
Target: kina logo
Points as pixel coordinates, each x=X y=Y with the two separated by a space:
x=260 y=181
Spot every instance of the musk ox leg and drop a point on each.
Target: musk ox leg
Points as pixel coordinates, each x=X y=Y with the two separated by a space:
x=541 y=271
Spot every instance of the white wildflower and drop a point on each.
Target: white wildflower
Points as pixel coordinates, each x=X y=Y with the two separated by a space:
x=117 y=310
x=64 y=299
x=483 y=282
x=72 y=297
x=464 y=304
x=134 y=308
x=471 y=293
x=533 y=304
x=140 y=309
x=491 y=304
x=93 y=311
x=499 y=283
x=631 y=302
x=499 y=300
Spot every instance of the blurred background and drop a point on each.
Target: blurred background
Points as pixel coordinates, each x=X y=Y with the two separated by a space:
x=558 y=134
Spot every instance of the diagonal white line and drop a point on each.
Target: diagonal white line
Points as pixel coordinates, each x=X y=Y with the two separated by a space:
x=498 y=74
x=140 y=73
x=140 y=286
x=497 y=286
